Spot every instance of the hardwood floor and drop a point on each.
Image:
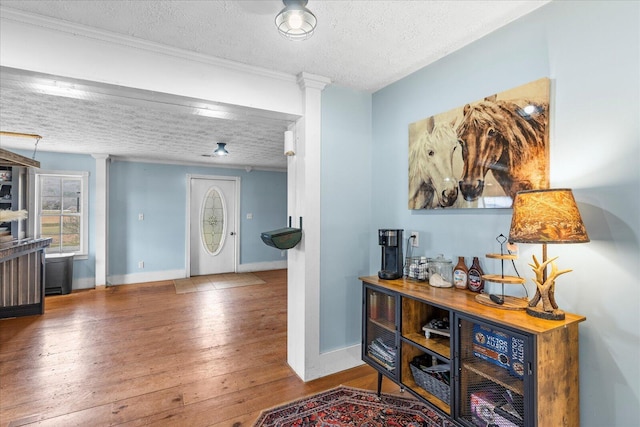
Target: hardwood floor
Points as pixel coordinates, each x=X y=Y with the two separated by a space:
x=143 y=355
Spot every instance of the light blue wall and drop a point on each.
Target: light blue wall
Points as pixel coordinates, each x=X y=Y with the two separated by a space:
x=345 y=213
x=264 y=194
x=81 y=163
x=159 y=191
x=591 y=51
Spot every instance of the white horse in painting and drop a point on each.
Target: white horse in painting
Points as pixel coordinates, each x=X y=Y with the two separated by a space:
x=432 y=183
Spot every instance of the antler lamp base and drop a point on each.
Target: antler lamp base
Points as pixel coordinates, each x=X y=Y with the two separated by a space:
x=543 y=304
x=556 y=314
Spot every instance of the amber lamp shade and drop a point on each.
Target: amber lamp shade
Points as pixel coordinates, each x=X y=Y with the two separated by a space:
x=546 y=216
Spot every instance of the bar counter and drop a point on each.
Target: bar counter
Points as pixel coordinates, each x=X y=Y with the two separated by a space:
x=22 y=277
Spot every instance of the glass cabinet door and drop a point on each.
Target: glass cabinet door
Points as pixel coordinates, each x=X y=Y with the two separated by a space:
x=379 y=346
x=494 y=368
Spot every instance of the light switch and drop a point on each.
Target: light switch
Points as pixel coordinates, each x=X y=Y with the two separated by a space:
x=140 y=217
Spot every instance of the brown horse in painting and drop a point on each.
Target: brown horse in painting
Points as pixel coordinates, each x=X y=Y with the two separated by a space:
x=431 y=180
x=508 y=140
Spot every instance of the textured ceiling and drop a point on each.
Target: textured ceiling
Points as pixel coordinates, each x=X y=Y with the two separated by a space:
x=363 y=45
x=136 y=124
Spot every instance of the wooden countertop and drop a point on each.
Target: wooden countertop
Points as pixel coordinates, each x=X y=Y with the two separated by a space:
x=16 y=247
x=464 y=301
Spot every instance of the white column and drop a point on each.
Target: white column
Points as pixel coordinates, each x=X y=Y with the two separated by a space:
x=101 y=214
x=303 y=200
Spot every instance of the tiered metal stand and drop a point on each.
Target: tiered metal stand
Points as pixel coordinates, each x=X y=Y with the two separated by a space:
x=505 y=302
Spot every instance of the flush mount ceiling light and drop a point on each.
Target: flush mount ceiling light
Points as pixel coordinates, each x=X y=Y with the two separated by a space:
x=295 y=21
x=221 y=151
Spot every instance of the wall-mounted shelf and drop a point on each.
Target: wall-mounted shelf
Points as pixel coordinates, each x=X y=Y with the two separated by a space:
x=283 y=238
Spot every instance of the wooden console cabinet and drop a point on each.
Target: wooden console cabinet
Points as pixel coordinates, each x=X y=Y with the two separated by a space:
x=490 y=367
x=22 y=267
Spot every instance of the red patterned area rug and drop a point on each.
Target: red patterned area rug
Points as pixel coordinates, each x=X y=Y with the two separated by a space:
x=346 y=406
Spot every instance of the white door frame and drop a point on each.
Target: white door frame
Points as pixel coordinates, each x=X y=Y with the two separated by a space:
x=236 y=255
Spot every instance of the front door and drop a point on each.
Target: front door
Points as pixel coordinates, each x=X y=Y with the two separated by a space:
x=212 y=225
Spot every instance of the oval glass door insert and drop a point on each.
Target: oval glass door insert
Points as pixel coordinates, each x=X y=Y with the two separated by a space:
x=213 y=220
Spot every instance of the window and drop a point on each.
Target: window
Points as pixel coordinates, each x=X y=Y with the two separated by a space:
x=61 y=200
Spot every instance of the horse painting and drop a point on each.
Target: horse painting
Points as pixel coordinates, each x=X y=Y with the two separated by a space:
x=431 y=180
x=506 y=139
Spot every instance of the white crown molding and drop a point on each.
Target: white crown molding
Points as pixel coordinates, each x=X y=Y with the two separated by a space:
x=312 y=81
x=195 y=164
x=109 y=37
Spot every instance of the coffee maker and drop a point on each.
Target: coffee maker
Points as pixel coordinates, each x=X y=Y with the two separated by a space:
x=391 y=242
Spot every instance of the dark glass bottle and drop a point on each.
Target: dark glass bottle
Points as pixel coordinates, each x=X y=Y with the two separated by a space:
x=476 y=283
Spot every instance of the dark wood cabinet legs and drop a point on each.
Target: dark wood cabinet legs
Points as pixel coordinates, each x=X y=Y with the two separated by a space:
x=379 y=383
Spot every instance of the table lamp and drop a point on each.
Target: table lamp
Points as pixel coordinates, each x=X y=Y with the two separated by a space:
x=546 y=216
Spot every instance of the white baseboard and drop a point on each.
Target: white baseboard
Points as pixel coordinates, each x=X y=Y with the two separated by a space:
x=84 y=283
x=334 y=361
x=151 y=276
x=262 y=266
x=155 y=276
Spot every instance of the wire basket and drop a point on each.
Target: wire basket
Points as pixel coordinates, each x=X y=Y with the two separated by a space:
x=430 y=383
x=416 y=268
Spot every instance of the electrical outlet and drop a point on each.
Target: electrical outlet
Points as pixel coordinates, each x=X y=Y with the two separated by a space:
x=415 y=241
x=140 y=264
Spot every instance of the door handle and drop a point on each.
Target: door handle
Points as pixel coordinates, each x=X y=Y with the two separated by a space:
x=233 y=233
